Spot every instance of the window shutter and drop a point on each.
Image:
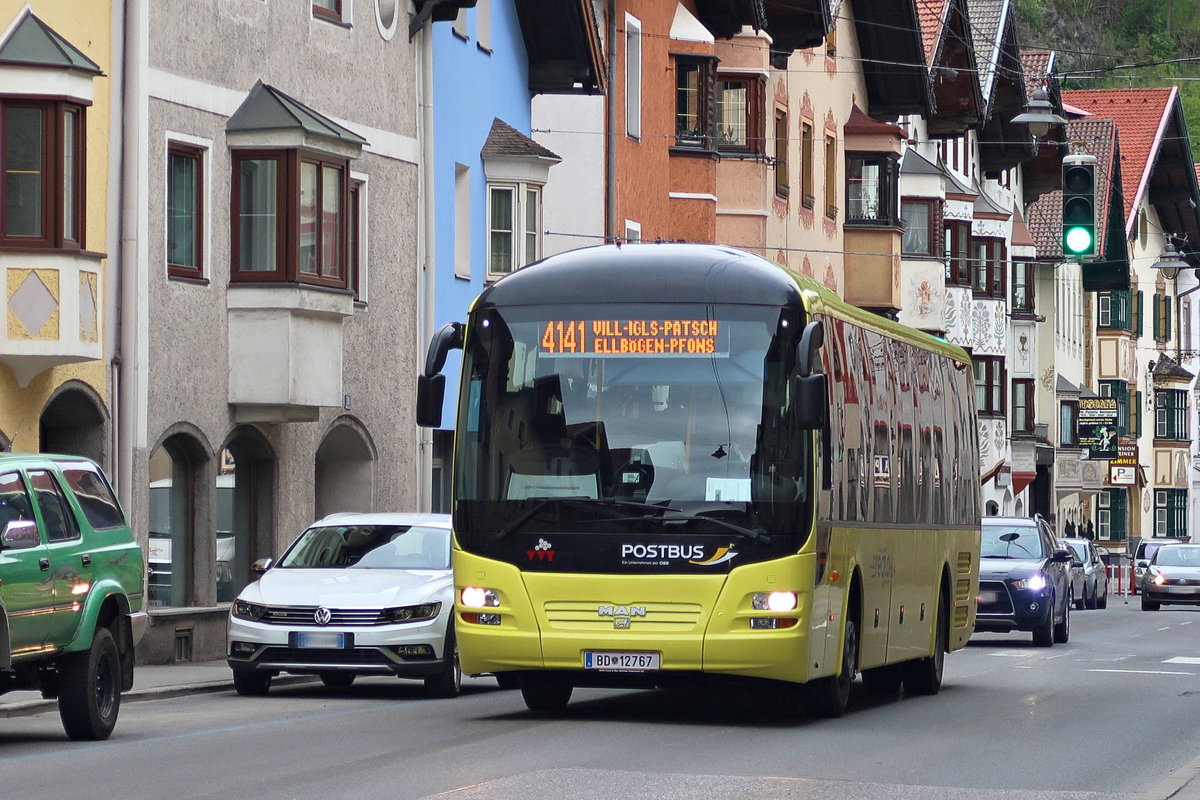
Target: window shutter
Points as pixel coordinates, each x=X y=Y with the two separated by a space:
x=1158 y=317
x=1166 y=318
x=1137 y=314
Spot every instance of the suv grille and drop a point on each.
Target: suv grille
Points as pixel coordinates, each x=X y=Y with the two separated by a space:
x=999 y=601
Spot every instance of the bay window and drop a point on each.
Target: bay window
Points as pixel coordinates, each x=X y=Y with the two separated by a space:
x=871 y=189
x=514 y=226
x=42 y=153
x=290 y=216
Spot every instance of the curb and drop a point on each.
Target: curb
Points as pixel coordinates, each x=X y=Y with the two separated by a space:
x=31 y=707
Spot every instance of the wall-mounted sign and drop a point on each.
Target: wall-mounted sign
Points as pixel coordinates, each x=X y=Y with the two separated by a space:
x=1121 y=475
x=1098 y=426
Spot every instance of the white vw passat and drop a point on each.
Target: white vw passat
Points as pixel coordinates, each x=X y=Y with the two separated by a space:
x=354 y=594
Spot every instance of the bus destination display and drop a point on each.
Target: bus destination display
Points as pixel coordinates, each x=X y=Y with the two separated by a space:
x=635 y=337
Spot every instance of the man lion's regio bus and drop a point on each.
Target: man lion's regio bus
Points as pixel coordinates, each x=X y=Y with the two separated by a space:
x=675 y=462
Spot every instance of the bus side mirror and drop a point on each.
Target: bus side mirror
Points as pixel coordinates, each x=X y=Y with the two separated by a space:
x=431 y=386
x=431 y=391
x=810 y=401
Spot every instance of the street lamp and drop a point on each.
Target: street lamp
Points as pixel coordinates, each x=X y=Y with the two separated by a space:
x=1170 y=262
x=1039 y=114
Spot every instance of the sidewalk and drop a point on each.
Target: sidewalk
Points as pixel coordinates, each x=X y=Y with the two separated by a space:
x=150 y=682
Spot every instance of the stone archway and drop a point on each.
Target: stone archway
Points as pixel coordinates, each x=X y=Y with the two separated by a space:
x=245 y=488
x=345 y=470
x=75 y=422
x=181 y=561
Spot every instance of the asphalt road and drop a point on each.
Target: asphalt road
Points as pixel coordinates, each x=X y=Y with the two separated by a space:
x=1113 y=713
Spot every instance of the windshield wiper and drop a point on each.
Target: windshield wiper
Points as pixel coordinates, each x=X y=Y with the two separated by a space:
x=753 y=534
x=588 y=502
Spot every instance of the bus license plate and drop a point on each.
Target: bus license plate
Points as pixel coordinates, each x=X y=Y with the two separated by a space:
x=612 y=661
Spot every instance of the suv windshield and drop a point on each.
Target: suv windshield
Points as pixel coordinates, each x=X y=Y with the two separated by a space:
x=1011 y=541
x=370 y=547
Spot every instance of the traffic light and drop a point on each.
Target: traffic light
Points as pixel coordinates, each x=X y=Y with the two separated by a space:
x=1079 y=206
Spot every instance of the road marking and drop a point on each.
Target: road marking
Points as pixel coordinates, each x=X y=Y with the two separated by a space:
x=1189 y=622
x=1182 y=660
x=1166 y=628
x=1141 y=671
x=1023 y=654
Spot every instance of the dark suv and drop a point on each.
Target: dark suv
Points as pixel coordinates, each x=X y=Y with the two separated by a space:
x=72 y=583
x=1024 y=580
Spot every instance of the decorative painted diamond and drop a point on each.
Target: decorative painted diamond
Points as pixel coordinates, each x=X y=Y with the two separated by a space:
x=33 y=303
x=87 y=307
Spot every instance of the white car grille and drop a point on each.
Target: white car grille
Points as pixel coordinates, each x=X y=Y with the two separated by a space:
x=306 y=615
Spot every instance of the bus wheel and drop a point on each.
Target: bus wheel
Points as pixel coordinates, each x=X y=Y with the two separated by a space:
x=830 y=696
x=545 y=694
x=924 y=676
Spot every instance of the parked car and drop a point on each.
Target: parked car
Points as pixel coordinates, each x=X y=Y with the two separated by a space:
x=1024 y=580
x=1089 y=573
x=1142 y=554
x=1172 y=577
x=72 y=581
x=354 y=594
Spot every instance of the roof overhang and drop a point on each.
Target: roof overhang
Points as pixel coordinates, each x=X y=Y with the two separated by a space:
x=893 y=58
x=562 y=42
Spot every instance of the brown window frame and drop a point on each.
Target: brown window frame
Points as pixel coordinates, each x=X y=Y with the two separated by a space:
x=287 y=224
x=754 y=120
x=994 y=380
x=332 y=14
x=197 y=154
x=988 y=276
x=807 y=161
x=782 y=184
x=831 y=177
x=1027 y=410
x=1023 y=279
x=704 y=135
x=53 y=212
x=957 y=237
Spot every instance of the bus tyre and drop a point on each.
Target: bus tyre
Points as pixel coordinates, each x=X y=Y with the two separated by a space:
x=448 y=682
x=251 y=684
x=830 y=696
x=89 y=689
x=924 y=676
x=1062 y=630
x=338 y=680
x=545 y=694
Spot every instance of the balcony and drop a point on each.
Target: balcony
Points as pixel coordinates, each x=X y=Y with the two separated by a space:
x=285 y=351
x=52 y=311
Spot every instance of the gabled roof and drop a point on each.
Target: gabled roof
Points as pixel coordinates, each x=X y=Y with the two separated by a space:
x=1003 y=143
x=953 y=75
x=1090 y=136
x=932 y=18
x=34 y=43
x=1144 y=119
x=268 y=109
x=505 y=140
x=987 y=26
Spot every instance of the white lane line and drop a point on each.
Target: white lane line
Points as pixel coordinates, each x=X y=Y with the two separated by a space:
x=1166 y=628
x=1013 y=655
x=1022 y=666
x=1189 y=622
x=1141 y=671
x=1182 y=660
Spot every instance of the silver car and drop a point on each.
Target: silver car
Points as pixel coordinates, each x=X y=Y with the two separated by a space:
x=1172 y=577
x=1089 y=573
x=355 y=594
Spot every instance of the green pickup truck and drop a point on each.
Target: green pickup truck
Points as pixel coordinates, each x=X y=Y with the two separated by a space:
x=72 y=583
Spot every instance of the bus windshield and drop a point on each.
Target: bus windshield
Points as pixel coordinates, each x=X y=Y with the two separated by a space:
x=641 y=417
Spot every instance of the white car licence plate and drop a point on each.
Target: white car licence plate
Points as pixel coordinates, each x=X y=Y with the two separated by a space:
x=320 y=640
x=618 y=661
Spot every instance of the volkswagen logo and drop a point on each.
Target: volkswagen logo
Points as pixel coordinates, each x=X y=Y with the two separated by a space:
x=322 y=615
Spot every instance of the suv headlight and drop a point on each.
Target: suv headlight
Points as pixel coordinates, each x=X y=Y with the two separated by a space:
x=243 y=610
x=410 y=613
x=1034 y=583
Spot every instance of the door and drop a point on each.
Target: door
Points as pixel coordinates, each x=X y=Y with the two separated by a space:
x=70 y=563
x=25 y=589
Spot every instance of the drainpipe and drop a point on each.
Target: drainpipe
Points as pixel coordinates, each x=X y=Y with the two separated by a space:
x=128 y=361
x=610 y=185
x=425 y=243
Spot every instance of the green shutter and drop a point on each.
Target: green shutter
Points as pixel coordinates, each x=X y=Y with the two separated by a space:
x=1166 y=318
x=1137 y=314
x=1158 y=317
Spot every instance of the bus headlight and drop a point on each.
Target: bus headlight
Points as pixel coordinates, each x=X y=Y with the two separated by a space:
x=775 y=601
x=475 y=597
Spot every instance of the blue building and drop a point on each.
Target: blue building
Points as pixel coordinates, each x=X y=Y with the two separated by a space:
x=489 y=174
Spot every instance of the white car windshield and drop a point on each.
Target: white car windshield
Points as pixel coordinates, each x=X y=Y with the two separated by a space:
x=370 y=547
x=1177 y=557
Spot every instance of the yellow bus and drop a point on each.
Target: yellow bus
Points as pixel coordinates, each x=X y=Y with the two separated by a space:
x=680 y=463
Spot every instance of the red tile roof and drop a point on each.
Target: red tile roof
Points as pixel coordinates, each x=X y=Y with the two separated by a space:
x=932 y=16
x=1141 y=116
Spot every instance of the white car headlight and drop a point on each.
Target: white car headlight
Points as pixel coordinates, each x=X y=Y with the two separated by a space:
x=244 y=610
x=410 y=613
